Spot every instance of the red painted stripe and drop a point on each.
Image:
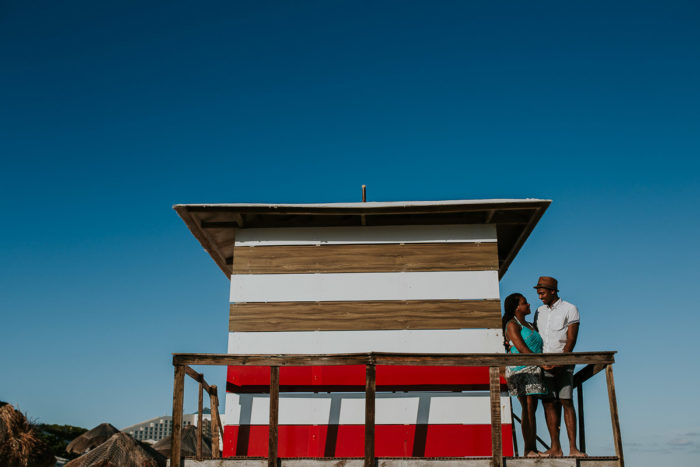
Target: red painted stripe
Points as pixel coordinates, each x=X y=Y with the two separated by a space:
x=348 y=440
x=255 y=378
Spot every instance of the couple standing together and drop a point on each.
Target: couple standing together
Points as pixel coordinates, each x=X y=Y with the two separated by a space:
x=554 y=329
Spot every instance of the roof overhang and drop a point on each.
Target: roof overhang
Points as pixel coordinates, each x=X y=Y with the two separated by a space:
x=214 y=225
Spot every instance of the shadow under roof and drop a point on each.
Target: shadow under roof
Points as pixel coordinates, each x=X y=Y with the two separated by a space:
x=214 y=225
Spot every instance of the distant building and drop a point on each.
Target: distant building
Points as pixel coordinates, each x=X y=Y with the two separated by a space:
x=157 y=428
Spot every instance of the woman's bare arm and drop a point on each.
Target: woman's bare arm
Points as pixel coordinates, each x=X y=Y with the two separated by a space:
x=513 y=333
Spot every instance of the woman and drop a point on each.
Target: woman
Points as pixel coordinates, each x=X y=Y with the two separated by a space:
x=524 y=382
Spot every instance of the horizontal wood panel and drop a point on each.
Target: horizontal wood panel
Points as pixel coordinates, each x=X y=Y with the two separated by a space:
x=345 y=342
x=369 y=315
x=348 y=441
x=368 y=286
x=346 y=408
x=367 y=234
x=365 y=258
x=347 y=378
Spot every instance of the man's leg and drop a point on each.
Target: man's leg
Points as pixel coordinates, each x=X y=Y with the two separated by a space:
x=552 y=414
x=566 y=392
x=570 y=419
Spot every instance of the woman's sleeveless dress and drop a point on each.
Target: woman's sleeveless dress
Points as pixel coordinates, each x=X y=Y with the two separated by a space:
x=526 y=380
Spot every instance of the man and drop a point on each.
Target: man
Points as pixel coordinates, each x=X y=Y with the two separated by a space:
x=557 y=322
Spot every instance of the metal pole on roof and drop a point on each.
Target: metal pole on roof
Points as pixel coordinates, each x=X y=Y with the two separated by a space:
x=364 y=193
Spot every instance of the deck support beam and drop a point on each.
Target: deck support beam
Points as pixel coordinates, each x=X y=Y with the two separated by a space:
x=614 y=415
x=274 y=415
x=581 y=424
x=215 y=422
x=178 y=398
x=495 y=392
x=200 y=409
x=370 y=393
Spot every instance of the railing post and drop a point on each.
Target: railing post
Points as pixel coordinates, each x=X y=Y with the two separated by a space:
x=178 y=395
x=581 y=424
x=513 y=430
x=200 y=409
x=214 y=404
x=495 y=392
x=274 y=415
x=370 y=392
x=613 y=415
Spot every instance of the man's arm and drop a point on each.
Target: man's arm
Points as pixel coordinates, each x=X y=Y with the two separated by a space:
x=571 y=336
x=534 y=321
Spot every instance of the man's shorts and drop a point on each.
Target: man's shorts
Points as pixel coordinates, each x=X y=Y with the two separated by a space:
x=560 y=383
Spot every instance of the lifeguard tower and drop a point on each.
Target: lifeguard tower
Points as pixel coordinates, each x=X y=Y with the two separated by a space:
x=372 y=320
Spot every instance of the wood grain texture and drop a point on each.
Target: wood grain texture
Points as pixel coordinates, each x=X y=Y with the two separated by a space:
x=386 y=358
x=495 y=396
x=309 y=259
x=178 y=401
x=617 y=437
x=200 y=408
x=370 y=405
x=274 y=415
x=366 y=315
x=216 y=428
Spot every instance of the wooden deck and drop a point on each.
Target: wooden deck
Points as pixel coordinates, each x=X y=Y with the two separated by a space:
x=595 y=362
x=396 y=462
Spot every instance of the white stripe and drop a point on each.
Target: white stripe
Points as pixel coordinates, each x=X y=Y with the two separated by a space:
x=445 y=285
x=469 y=408
x=360 y=235
x=331 y=342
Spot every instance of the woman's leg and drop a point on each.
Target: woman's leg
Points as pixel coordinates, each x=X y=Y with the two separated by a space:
x=526 y=425
x=532 y=423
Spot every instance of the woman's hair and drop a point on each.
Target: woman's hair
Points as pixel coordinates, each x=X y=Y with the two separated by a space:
x=509 y=305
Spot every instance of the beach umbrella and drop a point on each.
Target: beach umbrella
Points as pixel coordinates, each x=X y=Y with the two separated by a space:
x=91 y=439
x=121 y=450
x=20 y=445
x=188 y=446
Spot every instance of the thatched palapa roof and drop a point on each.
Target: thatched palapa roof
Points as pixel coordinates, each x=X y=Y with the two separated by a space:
x=20 y=445
x=188 y=446
x=91 y=439
x=121 y=450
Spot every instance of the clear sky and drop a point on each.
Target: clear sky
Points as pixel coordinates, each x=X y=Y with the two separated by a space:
x=111 y=112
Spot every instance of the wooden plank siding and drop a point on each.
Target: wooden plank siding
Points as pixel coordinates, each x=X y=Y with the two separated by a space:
x=364 y=286
x=309 y=259
x=364 y=315
x=455 y=233
x=336 y=289
x=342 y=342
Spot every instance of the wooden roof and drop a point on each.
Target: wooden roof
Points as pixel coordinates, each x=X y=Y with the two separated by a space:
x=214 y=225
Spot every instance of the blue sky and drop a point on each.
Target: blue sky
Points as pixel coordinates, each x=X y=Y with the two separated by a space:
x=114 y=111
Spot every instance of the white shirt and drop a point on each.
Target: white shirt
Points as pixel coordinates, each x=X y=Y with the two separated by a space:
x=553 y=322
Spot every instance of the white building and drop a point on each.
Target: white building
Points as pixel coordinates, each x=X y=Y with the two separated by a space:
x=157 y=428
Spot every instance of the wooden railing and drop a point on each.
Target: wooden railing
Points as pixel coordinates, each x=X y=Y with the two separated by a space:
x=216 y=428
x=594 y=361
